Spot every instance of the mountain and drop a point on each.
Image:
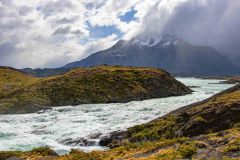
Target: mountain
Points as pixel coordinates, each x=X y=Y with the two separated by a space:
x=102 y=84
x=236 y=60
x=169 y=52
x=205 y=130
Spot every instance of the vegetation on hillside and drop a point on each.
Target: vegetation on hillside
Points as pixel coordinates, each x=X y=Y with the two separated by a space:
x=102 y=84
x=12 y=80
x=206 y=130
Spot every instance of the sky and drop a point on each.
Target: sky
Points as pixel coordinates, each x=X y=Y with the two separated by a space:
x=52 y=33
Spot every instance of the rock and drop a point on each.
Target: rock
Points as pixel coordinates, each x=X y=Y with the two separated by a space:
x=94 y=135
x=44 y=110
x=193 y=86
x=113 y=137
x=79 y=142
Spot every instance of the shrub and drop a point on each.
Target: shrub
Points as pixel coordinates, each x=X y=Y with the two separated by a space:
x=187 y=150
x=44 y=151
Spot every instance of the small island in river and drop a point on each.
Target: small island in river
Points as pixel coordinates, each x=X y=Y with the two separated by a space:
x=101 y=84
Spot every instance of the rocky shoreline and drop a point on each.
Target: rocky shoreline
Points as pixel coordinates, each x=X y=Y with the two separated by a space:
x=225 y=80
x=116 y=137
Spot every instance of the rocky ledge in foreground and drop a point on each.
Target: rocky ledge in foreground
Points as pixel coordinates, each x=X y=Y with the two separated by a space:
x=205 y=130
x=102 y=84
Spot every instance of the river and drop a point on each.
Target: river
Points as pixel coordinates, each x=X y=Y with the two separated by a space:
x=56 y=127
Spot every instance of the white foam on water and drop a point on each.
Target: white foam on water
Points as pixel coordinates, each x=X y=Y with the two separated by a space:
x=27 y=131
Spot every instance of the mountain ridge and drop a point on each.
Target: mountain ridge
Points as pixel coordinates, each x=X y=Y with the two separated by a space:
x=168 y=52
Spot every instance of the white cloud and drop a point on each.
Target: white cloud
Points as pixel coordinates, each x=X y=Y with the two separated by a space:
x=50 y=33
x=108 y=15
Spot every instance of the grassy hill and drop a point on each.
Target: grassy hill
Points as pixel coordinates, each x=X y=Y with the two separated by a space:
x=205 y=130
x=12 y=80
x=102 y=84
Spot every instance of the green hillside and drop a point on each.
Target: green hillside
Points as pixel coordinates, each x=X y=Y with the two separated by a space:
x=12 y=80
x=102 y=84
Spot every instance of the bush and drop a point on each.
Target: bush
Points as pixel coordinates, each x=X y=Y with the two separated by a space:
x=187 y=150
x=44 y=151
x=7 y=154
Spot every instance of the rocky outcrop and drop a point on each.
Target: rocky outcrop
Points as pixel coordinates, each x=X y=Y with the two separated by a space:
x=113 y=139
x=79 y=142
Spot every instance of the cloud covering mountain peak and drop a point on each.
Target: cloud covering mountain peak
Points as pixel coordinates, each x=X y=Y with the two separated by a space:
x=202 y=22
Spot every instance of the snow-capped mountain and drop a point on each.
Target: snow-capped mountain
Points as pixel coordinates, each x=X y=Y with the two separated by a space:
x=167 y=52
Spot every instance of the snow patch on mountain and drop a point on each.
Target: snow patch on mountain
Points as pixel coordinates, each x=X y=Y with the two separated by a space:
x=140 y=42
x=155 y=42
x=164 y=41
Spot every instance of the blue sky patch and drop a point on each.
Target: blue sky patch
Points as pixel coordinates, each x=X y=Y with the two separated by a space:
x=128 y=16
x=98 y=32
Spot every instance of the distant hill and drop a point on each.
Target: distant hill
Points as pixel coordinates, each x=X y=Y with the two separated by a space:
x=102 y=84
x=12 y=79
x=45 y=72
x=169 y=52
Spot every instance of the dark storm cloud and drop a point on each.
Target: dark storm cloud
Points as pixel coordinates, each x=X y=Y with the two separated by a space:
x=205 y=22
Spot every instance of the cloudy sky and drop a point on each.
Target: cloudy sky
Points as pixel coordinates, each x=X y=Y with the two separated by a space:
x=51 y=33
